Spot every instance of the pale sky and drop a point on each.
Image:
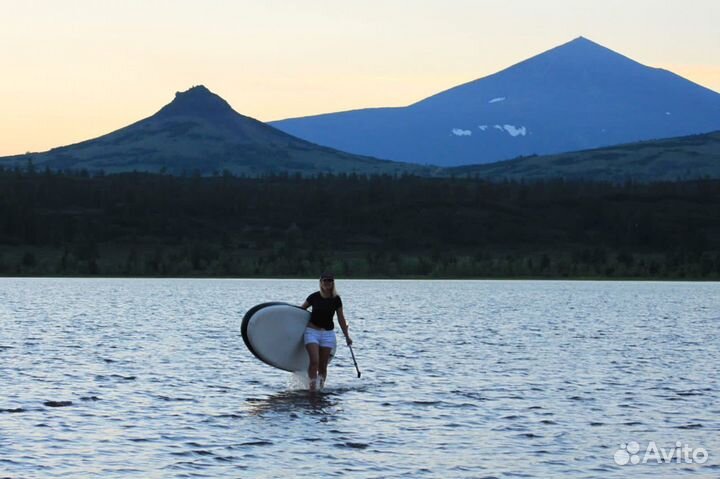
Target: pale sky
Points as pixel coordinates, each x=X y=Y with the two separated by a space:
x=72 y=70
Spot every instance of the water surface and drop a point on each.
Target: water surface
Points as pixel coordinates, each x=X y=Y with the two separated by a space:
x=149 y=378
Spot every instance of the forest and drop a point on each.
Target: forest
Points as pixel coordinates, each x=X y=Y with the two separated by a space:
x=137 y=224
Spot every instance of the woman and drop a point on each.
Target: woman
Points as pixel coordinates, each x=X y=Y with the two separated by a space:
x=320 y=334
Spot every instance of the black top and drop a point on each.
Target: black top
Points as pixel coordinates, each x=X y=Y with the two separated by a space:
x=323 y=310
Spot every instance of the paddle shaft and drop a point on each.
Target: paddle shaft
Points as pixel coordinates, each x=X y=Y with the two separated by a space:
x=354 y=361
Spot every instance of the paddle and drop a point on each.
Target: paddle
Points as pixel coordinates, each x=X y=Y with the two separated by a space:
x=355 y=362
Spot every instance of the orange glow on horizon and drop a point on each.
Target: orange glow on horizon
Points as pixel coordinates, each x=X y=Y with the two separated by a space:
x=79 y=69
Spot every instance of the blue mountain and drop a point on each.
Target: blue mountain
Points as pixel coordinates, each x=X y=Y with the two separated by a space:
x=577 y=96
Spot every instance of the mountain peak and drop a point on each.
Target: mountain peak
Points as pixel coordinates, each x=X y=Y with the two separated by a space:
x=572 y=64
x=583 y=51
x=197 y=101
x=583 y=44
x=582 y=41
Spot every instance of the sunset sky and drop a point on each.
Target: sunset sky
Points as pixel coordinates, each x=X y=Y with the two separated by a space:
x=76 y=69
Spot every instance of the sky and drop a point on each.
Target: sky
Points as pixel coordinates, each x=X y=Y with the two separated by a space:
x=71 y=70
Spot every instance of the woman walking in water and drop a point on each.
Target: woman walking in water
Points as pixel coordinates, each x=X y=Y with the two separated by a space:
x=320 y=334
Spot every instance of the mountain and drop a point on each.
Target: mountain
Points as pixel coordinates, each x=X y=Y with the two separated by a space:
x=577 y=96
x=199 y=132
x=672 y=159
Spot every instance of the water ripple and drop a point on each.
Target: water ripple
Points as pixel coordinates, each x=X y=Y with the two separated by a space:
x=110 y=378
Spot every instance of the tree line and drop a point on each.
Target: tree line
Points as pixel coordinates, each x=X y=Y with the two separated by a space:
x=358 y=226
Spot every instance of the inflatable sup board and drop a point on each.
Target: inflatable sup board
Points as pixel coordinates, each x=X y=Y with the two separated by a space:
x=273 y=332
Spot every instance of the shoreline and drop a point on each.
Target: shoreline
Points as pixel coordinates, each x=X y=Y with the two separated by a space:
x=385 y=278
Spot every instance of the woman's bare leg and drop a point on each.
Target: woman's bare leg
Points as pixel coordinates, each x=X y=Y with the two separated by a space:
x=324 y=359
x=314 y=356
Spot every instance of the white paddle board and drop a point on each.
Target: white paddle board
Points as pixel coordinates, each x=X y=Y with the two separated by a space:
x=273 y=332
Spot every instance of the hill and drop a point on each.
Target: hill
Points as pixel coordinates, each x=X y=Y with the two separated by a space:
x=673 y=159
x=198 y=132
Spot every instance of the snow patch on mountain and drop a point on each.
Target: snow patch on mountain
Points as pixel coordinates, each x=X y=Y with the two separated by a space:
x=461 y=132
x=515 y=130
x=511 y=130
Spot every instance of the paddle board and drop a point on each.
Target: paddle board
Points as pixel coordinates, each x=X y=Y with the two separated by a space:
x=273 y=332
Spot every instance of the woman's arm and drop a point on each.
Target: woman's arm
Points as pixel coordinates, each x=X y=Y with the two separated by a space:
x=344 y=325
x=305 y=305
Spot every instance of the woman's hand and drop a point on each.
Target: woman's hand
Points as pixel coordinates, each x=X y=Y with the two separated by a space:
x=348 y=340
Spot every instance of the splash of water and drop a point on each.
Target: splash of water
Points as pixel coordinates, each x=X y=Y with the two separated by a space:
x=298 y=380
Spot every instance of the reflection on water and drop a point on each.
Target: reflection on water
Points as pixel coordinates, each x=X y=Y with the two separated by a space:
x=295 y=402
x=150 y=379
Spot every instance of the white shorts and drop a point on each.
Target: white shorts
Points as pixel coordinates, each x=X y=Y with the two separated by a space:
x=324 y=339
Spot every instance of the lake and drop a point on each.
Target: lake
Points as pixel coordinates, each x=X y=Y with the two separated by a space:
x=150 y=378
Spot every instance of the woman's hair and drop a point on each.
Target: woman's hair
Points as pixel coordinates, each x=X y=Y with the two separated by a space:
x=333 y=294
